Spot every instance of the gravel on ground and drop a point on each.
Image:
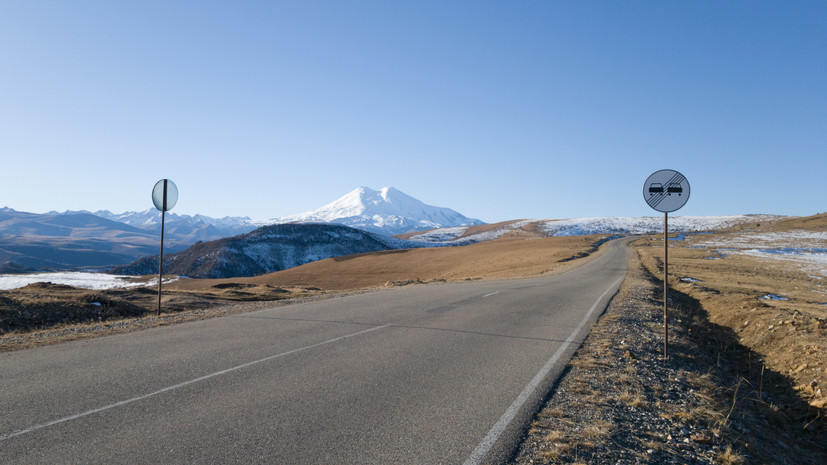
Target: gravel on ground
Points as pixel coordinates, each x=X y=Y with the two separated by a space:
x=621 y=402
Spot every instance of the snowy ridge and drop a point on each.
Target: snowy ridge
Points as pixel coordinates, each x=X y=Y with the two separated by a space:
x=643 y=225
x=589 y=226
x=387 y=211
x=151 y=219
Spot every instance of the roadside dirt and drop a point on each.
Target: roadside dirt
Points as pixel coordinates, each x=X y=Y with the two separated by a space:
x=712 y=401
x=775 y=307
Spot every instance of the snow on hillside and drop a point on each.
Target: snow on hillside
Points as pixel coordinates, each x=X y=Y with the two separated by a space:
x=589 y=226
x=387 y=211
x=77 y=279
x=806 y=248
x=641 y=225
x=455 y=236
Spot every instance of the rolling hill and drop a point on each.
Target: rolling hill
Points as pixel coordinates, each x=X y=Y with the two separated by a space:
x=267 y=249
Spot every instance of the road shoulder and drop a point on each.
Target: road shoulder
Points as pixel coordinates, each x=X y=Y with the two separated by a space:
x=619 y=402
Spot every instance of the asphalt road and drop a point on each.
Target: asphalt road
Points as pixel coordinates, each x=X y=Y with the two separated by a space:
x=437 y=374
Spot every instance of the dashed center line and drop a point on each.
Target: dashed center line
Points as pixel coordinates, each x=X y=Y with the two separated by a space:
x=489 y=295
x=4 y=437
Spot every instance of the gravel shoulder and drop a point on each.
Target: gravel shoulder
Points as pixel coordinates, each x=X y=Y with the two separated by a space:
x=711 y=402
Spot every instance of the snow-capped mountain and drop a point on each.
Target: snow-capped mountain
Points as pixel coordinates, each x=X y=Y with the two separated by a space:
x=387 y=211
x=186 y=228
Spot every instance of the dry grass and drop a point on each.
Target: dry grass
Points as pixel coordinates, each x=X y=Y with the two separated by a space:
x=619 y=390
x=654 y=445
x=625 y=397
x=789 y=336
x=598 y=431
x=552 y=413
x=555 y=436
x=729 y=457
x=504 y=258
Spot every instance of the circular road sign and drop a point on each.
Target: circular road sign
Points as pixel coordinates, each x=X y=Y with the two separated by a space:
x=666 y=190
x=168 y=189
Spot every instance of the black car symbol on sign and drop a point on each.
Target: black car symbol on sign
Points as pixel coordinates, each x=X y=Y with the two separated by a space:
x=674 y=188
x=656 y=188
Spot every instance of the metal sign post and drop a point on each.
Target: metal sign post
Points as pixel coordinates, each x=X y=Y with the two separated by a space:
x=164 y=197
x=666 y=191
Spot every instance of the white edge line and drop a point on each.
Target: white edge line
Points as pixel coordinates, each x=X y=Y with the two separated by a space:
x=497 y=430
x=177 y=386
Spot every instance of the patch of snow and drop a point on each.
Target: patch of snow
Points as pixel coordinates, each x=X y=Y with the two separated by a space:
x=440 y=235
x=453 y=236
x=774 y=297
x=807 y=248
x=99 y=281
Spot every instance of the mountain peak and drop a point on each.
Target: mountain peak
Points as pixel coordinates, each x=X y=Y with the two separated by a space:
x=386 y=211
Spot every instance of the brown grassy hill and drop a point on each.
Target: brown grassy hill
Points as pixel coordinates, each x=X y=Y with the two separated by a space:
x=504 y=258
x=815 y=222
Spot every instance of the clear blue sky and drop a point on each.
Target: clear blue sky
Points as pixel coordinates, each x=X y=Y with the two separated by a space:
x=497 y=109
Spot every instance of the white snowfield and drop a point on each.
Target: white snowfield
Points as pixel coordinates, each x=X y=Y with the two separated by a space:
x=99 y=281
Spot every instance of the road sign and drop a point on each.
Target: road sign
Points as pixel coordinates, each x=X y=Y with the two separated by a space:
x=666 y=191
x=162 y=187
x=164 y=196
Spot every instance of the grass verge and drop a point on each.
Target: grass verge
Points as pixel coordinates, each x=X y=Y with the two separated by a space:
x=620 y=402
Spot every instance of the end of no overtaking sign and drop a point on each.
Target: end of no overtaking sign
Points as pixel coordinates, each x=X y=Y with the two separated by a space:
x=666 y=190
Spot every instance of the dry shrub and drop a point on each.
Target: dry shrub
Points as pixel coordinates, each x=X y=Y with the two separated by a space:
x=556 y=436
x=598 y=431
x=729 y=457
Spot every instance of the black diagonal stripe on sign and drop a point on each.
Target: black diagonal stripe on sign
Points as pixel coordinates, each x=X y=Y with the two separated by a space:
x=656 y=199
x=676 y=178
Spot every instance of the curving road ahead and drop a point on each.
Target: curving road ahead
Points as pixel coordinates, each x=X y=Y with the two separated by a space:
x=440 y=374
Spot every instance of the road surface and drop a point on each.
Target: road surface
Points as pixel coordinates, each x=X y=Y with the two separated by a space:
x=433 y=374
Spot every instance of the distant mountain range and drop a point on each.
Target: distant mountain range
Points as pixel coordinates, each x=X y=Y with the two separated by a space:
x=361 y=221
x=182 y=228
x=386 y=211
x=83 y=239
x=30 y=241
